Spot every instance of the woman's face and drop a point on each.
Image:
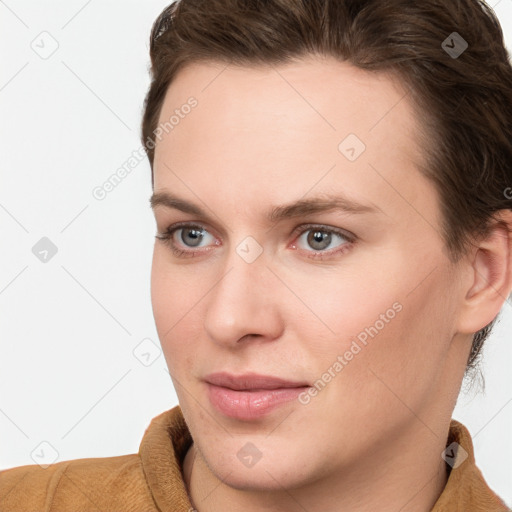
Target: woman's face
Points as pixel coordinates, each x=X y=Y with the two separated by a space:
x=354 y=306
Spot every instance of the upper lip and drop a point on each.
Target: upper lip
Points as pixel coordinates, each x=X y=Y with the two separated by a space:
x=251 y=381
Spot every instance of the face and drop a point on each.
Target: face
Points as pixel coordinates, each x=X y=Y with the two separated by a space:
x=349 y=296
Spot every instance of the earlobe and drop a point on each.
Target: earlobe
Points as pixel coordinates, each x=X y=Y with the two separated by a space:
x=492 y=276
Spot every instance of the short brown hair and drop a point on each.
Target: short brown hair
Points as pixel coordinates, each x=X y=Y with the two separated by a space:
x=464 y=101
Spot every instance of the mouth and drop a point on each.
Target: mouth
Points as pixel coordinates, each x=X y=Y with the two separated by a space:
x=250 y=396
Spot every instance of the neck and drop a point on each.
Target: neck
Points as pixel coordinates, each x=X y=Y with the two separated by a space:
x=409 y=475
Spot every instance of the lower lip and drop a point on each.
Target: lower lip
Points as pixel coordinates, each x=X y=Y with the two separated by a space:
x=250 y=405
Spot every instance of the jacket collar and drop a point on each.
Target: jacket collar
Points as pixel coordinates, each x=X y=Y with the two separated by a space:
x=466 y=488
x=167 y=440
x=162 y=450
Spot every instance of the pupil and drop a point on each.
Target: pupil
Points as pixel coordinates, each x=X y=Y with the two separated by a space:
x=196 y=235
x=319 y=237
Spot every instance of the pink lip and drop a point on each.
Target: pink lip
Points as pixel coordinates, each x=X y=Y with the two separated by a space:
x=250 y=396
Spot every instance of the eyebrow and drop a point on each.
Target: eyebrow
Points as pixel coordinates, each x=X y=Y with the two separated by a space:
x=302 y=207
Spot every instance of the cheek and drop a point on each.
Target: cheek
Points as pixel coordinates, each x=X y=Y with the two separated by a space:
x=162 y=297
x=380 y=318
x=404 y=357
x=381 y=308
x=172 y=302
x=387 y=368
x=345 y=305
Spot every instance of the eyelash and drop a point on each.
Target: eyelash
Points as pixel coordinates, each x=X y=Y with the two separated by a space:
x=167 y=238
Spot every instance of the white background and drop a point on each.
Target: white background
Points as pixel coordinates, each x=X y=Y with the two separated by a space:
x=68 y=327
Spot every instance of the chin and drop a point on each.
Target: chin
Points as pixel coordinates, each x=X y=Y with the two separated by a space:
x=273 y=478
x=275 y=470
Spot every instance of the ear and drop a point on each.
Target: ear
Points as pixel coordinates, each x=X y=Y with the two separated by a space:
x=490 y=274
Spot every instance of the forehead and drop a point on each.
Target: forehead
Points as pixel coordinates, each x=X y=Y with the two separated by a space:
x=284 y=127
x=318 y=98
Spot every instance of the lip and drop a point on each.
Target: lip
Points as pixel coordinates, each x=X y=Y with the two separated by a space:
x=251 y=395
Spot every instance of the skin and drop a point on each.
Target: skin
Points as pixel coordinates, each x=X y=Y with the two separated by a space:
x=372 y=438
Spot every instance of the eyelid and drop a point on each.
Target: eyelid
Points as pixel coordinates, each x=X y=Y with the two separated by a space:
x=325 y=227
x=190 y=225
x=167 y=238
x=325 y=255
x=299 y=229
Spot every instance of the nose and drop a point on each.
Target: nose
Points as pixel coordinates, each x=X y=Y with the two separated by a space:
x=244 y=305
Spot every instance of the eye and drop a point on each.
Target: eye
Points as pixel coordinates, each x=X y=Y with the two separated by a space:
x=183 y=237
x=187 y=235
x=320 y=238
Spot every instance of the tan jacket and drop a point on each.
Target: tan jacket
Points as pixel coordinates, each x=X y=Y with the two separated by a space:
x=151 y=481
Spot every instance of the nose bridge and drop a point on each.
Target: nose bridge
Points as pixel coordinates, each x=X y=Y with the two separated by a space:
x=240 y=303
x=245 y=268
x=245 y=273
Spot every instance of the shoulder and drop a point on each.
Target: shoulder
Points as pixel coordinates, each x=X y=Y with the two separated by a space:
x=103 y=483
